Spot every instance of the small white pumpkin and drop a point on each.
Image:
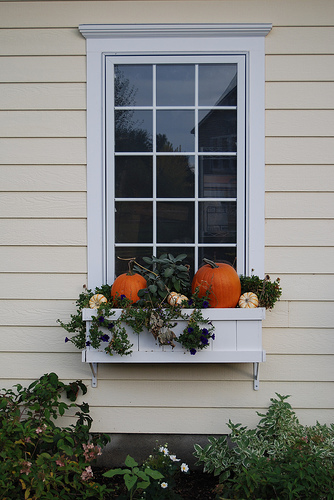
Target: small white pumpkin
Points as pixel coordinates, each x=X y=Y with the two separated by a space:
x=248 y=300
x=176 y=299
x=96 y=300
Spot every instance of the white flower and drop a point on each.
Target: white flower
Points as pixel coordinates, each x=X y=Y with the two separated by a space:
x=184 y=467
x=174 y=459
x=164 y=450
x=164 y=485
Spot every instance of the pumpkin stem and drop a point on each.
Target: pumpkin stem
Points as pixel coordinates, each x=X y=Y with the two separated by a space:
x=130 y=266
x=211 y=263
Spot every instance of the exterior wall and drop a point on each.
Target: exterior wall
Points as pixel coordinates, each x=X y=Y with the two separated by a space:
x=43 y=215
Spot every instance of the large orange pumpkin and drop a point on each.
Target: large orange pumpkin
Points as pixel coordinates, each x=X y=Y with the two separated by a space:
x=223 y=282
x=128 y=284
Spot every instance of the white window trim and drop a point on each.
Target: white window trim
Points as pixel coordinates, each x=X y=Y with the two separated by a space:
x=247 y=39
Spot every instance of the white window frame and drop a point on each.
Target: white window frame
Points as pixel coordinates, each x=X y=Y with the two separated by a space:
x=189 y=39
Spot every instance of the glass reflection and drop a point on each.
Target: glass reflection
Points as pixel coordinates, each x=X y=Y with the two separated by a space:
x=133 y=85
x=175 y=222
x=175 y=85
x=217 y=222
x=217 y=85
x=133 y=130
x=216 y=254
x=121 y=266
x=175 y=130
x=175 y=176
x=133 y=177
x=133 y=222
x=217 y=131
x=218 y=177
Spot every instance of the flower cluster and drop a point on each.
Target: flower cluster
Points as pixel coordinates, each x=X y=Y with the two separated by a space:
x=91 y=451
x=196 y=336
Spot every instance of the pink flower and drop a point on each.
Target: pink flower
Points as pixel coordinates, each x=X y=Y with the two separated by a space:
x=91 y=451
x=60 y=463
x=87 y=473
x=26 y=468
x=40 y=429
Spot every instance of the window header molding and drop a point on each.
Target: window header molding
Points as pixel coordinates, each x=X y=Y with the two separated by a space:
x=173 y=30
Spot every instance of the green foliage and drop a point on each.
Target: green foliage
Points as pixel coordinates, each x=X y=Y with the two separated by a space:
x=38 y=459
x=280 y=458
x=268 y=292
x=152 y=480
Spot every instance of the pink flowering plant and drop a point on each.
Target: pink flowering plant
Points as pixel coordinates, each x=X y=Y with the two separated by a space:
x=38 y=459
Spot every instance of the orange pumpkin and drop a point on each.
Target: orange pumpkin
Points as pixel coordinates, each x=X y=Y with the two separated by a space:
x=128 y=284
x=223 y=282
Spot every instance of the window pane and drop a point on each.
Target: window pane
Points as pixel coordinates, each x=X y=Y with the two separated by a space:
x=217 y=222
x=217 y=176
x=175 y=176
x=217 y=85
x=217 y=130
x=133 y=130
x=138 y=253
x=133 y=177
x=133 y=85
x=222 y=254
x=175 y=85
x=133 y=222
x=175 y=130
x=175 y=222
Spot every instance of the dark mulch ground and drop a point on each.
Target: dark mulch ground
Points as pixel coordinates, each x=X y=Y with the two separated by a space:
x=192 y=486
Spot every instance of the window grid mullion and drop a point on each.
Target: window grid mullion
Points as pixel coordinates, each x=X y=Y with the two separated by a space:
x=196 y=228
x=154 y=143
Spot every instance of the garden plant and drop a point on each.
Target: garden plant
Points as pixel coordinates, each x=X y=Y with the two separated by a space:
x=279 y=459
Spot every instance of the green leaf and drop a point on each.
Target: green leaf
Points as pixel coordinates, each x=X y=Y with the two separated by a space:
x=142 y=475
x=130 y=462
x=168 y=272
x=116 y=472
x=143 y=485
x=130 y=481
x=153 y=288
x=154 y=474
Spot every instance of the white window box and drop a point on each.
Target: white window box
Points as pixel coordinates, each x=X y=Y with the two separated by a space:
x=238 y=339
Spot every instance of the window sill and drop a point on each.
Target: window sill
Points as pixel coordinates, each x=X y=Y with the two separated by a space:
x=238 y=339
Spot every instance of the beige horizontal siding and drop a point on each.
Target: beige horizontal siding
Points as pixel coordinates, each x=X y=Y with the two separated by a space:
x=299 y=205
x=312 y=259
x=313 y=287
x=299 y=232
x=70 y=14
x=299 y=68
x=42 y=69
x=300 y=40
x=300 y=123
x=43 y=259
x=35 y=339
x=299 y=150
x=30 y=178
x=298 y=340
x=299 y=95
x=42 y=96
x=42 y=124
x=37 y=42
x=43 y=205
x=293 y=178
x=41 y=286
x=43 y=151
x=49 y=232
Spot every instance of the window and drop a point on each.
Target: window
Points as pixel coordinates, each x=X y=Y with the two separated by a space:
x=175 y=144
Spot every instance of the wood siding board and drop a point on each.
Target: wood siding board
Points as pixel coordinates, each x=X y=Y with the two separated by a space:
x=293 y=178
x=299 y=68
x=43 y=178
x=26 y=232
x=42 y=96
x=299 y=150
x=43 y=259
x=300 y=123
x=299 y=232
x=70 y=14
x=312 y=259
x=35 y=339
x=296 y=205
x=43 y=151
x=42 y=124
x=37 y=42
x=41 y=286
x=298 y=341
x=299 y=95
x=43 y=69
x=306 y=286
x=43 y=205
x=300 y=40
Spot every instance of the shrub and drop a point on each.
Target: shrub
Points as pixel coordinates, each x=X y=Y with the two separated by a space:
x=279 y=459
x=38 y=459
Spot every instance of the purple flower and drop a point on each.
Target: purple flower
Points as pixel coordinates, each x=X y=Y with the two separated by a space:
x=190 y=302
x=104 y=338
x=205 y=304
x=205 y=331
x=190 y=330
x=88 y=342
x=101 y=319
x=204 y=340
x=110 y=326
x=213 y=336
x=123 y=297
x=67 y=339
x=193 y=351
